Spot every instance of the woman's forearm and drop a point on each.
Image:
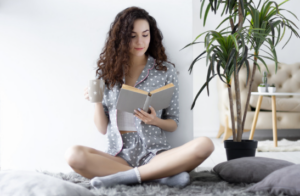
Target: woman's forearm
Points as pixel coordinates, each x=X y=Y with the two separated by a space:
x=166 y=124
x=100 y=118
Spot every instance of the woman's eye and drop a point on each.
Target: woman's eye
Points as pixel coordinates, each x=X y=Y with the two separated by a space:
x=143 y=36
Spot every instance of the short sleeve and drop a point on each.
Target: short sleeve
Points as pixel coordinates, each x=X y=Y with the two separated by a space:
x=172 y=112
x=105 y=109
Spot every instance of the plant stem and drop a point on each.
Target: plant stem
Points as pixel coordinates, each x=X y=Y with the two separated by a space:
x=238 y=102
x=231 y=113
x=231 y=24
x=249 y=90
x=237 y=86
x=241 y=18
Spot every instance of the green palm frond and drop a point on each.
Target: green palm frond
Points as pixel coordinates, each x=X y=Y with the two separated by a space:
x=223 y=50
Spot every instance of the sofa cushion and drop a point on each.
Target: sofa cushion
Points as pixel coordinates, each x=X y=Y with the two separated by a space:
x=37 y=184
x=283 y=181
x=248 y=169
x=282 y=104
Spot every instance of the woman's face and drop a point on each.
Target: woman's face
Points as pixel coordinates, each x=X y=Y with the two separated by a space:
x=140 y=37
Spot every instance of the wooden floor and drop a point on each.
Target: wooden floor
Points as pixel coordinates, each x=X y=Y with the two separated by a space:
x=219 y=155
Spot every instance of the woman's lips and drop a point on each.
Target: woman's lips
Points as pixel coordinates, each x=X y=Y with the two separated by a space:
x=139 y=48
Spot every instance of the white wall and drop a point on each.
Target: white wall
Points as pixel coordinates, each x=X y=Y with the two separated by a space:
x=48 y=53
x=206 y=118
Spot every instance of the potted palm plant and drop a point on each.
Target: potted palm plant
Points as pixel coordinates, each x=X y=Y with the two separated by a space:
x=250 y=26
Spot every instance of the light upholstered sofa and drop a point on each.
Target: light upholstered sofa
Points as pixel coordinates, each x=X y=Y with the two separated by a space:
x=287 y=79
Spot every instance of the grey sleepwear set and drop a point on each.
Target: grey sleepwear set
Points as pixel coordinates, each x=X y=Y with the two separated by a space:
x=134 y=152
x=138 y=148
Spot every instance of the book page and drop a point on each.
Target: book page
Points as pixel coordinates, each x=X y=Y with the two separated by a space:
x=162 y=98
x=162 y=88
x=131 y=88
x=129 y=100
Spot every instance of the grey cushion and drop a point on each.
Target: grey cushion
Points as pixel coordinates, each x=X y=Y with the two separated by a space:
x=248 y=169
x=37 y=184
x=282 y=181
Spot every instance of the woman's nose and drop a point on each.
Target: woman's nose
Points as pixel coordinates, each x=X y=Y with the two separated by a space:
x=139 y=40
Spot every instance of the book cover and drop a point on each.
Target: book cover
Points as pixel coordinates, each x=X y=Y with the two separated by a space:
x=131 y=98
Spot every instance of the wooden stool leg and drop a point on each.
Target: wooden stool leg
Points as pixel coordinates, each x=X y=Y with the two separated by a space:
x=228 y=131
x=274 y=120
x=255 y=117
x=221 y=131
x=246 y=130
x=227 y=134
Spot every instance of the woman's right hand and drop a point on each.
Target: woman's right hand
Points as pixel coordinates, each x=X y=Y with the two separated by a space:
x=86 y=93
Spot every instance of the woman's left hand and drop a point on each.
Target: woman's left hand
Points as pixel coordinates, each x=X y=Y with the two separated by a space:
x=149 y=119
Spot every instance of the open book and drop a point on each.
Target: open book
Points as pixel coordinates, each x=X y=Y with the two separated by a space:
x=131 y=98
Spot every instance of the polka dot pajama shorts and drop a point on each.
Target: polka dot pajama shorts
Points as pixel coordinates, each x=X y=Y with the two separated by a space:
x=133 y=150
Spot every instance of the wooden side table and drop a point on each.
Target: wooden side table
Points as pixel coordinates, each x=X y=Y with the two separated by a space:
x=274 y=117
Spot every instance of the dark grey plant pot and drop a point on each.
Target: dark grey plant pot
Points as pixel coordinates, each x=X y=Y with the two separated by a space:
x=235 y=150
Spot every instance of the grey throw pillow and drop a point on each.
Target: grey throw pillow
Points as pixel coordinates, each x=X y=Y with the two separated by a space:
x=282 y=181
x=32 y=183
x=248 y=169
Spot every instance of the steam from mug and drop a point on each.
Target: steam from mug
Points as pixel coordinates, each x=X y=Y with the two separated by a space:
x=96 y=88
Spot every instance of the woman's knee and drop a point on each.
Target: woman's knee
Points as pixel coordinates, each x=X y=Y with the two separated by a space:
x=203 y=147
x=76 y=156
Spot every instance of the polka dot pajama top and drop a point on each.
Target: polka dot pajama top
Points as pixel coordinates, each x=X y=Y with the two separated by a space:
x=149 y=140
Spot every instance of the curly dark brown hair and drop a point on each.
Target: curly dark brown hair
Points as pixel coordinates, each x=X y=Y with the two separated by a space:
x=115 y=54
